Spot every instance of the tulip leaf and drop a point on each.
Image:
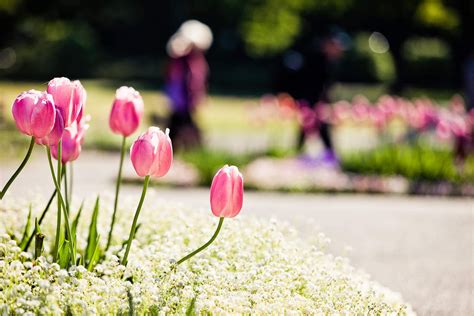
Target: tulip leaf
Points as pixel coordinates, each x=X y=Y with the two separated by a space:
x=95 y=255
x=24 y=238
x=131 y=305
x=190 y=309
x=64 y=254
x=75 y=222
x=92 y=240
x=39 y=240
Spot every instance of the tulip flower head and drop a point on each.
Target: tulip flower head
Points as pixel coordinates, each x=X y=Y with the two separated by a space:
x=69 y=97
x=72 y=140
x=34 y=113
x=152 y=153
x=127 y=111
x=227 y=192
x=56 y=133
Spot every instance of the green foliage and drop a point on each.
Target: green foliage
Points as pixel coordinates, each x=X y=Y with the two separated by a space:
x=92 y=252
x=416 y=162
x=51 y=45
x=24 y=238
x=39 y=240
x=434 y=13
x=75 y=222
x=271 y=26
x=64 y=254
x=190 y=309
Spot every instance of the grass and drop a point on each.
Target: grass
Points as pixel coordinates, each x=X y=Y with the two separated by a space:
x=415 y=162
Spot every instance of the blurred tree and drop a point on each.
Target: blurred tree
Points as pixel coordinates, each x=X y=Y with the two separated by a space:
x=271 y=26
x=127 y=38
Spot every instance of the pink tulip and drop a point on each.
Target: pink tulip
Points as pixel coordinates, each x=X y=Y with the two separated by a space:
x=127 y=111
x=72 y=140
x=227 y=192
x=152 y=153
x=56 y=133
x=69 y=97
x=34 y=113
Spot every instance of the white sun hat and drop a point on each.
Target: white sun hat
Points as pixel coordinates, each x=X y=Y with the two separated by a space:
x=178 y=45
x=198 y=33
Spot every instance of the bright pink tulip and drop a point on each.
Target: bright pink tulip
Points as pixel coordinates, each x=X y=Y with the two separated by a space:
x=127 y=111
x=227 y=192
x=152 y=153
x=56 y=133
x=34 y=113
x=69 y=97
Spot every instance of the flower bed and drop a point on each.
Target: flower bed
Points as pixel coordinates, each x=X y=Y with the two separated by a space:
x=293 y=174
x=255 y=266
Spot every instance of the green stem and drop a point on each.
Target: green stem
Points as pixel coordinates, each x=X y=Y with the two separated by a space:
x=66 y=195
x=221 y=220
x=18 y=170
x=61 y=201
x=71 y=174
x=117 y=190
x=30 y=239
x=135 y=219
x=58 y=189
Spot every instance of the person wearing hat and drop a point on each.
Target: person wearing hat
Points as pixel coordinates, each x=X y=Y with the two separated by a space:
x=186 y=80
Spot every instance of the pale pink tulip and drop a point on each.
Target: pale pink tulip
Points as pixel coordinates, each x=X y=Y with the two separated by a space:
x=127 y=111
x=227 y=192
x=34 y=113
x=152 y=153
x=69 y=97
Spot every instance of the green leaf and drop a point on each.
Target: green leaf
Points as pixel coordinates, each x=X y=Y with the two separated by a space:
x=92 y=240
x=39 y=240
x=75 y=222
x=24 y=238
x=64 y=254
x=131 y=305
x=95 y=256
x=190 y=309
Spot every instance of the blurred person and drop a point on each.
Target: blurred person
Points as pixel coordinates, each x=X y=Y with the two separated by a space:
x=307 y=73
x=186 y=80
x=464 y=143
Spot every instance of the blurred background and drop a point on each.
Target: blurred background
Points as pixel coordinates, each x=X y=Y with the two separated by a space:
x=304 y=96
x=411 y=49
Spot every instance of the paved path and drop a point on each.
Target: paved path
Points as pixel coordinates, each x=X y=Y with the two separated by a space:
x=422 y=247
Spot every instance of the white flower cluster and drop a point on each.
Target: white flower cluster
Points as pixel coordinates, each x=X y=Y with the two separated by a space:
x=254 y=267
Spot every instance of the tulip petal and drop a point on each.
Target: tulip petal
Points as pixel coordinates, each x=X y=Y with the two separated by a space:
x=142 y=154
x=42 y=118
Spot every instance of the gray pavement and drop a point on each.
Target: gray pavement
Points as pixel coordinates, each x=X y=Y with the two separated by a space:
x=422 y=247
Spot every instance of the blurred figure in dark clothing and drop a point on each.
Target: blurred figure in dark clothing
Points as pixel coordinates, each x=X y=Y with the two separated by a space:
x=307 y=73
x=464 y=144
x=186 y=80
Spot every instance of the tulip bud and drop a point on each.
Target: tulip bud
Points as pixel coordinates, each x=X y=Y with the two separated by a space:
x=34 y=113
x=127 y=111
x=152 y=153
x=227 y=192
x=71 y=140
x=69 y=97
x=56 y=133
x=70 y=145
